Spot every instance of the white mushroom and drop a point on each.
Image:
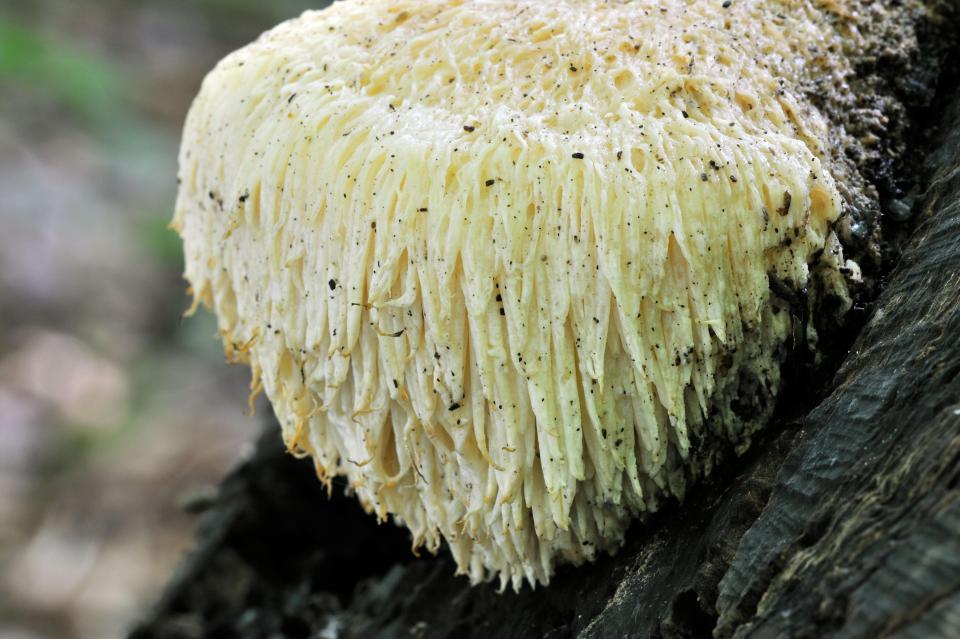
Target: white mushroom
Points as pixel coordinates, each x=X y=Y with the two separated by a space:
x=504 y=264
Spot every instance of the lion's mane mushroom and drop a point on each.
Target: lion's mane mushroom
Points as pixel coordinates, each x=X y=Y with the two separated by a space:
x=506 y=265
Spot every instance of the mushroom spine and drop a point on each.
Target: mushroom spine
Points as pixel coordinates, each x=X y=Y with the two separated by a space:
x=506 y=265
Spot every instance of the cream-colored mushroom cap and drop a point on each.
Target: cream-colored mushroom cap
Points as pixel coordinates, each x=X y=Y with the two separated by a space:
x=505 y=265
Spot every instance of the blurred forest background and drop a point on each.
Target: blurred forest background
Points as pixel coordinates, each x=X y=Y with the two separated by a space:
x=116 y=417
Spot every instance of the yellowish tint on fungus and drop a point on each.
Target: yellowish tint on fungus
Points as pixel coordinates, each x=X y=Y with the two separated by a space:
x=504 y=264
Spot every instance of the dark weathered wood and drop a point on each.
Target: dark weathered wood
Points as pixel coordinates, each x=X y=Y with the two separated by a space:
x=843 y=521
x=862 y=532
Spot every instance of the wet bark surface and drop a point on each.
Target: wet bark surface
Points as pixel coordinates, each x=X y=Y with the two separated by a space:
x=842 y=521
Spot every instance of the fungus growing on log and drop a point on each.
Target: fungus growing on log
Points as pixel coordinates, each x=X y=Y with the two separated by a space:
x=512 y=268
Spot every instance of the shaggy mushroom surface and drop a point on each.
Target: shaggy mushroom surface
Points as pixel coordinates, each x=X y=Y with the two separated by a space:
x=507 y=265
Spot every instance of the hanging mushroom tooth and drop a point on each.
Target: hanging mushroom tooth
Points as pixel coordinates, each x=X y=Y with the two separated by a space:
x=503 y=292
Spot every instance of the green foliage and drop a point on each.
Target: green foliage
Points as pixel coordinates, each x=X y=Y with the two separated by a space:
x=87 y=85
